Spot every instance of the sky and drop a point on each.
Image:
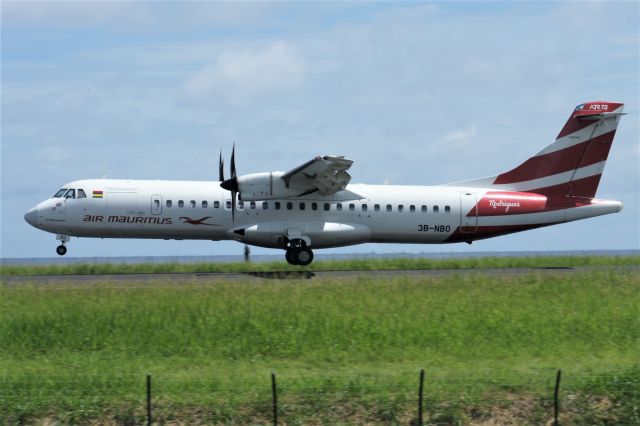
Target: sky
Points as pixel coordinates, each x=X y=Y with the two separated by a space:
x=415 y=93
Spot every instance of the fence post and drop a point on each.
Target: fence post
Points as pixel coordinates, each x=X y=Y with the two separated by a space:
x=420 y=392
x=275 y=398
x=556 y=405
x=149 y=399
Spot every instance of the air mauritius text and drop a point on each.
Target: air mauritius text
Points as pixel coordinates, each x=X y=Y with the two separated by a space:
x=128 y=219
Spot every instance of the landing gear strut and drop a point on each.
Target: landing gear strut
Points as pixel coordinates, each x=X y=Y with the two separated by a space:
x=298 y=253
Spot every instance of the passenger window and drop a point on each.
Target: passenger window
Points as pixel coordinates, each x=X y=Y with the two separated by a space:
x=289 y=205
x=352 y=207
x=169 y=203
x=265 y=205
x=364 y=207
x=389 y=208
x=435 y=209
x=412 y=208
x=314 y=206
x=228 y=204
x=81 y=193
x=327 y=206
x=424 y=208
x=252 y=205
x=193 y=204
x=180 y=203
x=447 y=209
x=240 y=205
x=216 y=204
x=302 y=206
x=156 y=204
x=376 y=207
x=277 y=205
x=205 y=204
x=60 y=193
x=70 y=194
x=400 y=208
x=339 y=206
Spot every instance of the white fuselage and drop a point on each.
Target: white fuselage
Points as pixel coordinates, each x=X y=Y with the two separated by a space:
x=360 y=214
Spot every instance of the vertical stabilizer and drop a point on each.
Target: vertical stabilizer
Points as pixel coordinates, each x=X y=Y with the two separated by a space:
x=572 y=165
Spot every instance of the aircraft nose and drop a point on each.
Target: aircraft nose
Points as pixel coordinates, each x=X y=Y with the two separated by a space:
x=32 y=216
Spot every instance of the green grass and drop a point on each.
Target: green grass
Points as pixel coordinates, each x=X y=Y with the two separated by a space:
x=354 y=264
x=345 y=351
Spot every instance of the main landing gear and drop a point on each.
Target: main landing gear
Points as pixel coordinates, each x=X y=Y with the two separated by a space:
x=298 y=253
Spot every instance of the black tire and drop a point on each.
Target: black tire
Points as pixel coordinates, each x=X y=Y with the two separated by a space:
x=289 y=256
x=61 y=250
x=303 y=256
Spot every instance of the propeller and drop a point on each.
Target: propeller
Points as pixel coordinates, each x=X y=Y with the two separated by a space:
x=231 y=184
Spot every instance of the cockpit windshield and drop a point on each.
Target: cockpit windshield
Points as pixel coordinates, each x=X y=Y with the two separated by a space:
x=60 y=193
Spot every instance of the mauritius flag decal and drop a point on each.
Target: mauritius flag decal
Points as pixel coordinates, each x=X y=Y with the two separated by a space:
x=97 y=194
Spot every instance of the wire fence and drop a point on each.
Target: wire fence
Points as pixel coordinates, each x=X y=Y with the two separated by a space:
x=288 y=399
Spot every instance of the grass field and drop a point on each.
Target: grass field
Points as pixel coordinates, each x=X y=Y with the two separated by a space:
x=344 y=352
x=351 y=265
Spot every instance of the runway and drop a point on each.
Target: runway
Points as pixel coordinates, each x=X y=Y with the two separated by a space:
x=323 y=275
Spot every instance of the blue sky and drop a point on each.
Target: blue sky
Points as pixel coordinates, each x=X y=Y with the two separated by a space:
x=415 y=93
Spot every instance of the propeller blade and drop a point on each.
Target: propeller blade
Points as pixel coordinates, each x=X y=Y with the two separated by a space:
x=221 y=167
x=233 y=206
x=233 y=162
x=230 y=184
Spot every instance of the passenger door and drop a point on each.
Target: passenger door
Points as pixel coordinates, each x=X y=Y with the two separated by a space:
x=156 y=204
x=468 y=212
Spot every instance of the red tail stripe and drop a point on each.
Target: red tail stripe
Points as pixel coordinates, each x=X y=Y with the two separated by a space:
x=572 y=126
x=585 y=187
x=597 y=149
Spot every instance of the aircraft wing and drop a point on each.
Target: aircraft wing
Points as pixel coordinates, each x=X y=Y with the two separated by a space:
x=325 y=175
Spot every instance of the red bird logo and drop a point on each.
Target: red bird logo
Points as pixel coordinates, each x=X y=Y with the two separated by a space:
x=197 y=221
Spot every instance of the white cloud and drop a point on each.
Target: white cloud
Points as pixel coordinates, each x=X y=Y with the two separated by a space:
x=452 y=143
x=241 y=74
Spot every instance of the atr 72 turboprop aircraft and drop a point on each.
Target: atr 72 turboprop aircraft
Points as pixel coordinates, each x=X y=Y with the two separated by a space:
x=313 y=206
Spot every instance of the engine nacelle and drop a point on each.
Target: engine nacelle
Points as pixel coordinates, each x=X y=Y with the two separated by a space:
x=264 y=186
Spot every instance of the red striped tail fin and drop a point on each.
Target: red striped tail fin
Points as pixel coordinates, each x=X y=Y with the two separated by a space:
x=572 y=165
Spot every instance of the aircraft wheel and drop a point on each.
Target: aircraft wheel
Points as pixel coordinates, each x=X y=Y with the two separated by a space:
x=61 y=250
x=303 y=256
x=289 y=256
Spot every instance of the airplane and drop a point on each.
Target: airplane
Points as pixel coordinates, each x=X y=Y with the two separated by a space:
x=313 y=206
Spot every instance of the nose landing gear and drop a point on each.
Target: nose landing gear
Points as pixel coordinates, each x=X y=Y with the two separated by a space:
x=298 y=253
x=62 y=249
